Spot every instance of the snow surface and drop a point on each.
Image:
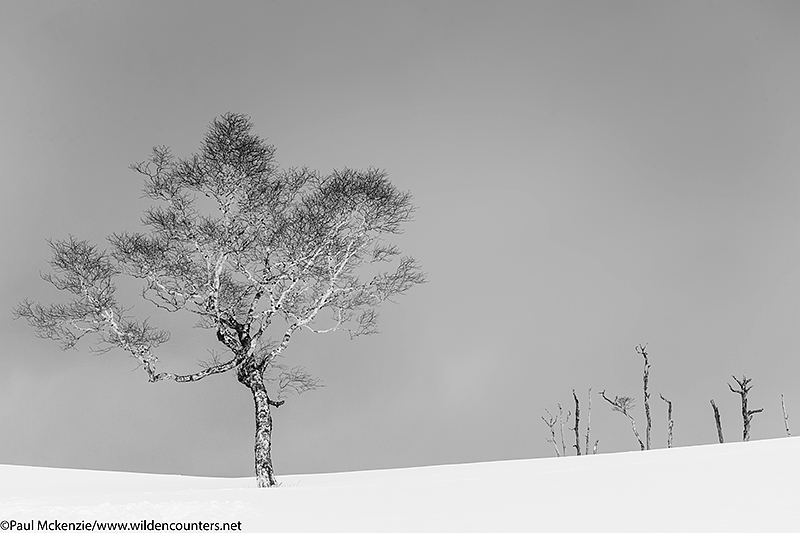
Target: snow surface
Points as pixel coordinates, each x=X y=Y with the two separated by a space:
x=734 y=487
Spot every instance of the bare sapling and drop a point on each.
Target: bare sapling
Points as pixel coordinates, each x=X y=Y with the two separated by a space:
x=747 y=414
x=577 y=421
x=642 y=350
x=562 y=420
x=785 y=417
x=551 y=422
x=623 y=404
x=589 y=422
x=718 y=422
x=669 y=421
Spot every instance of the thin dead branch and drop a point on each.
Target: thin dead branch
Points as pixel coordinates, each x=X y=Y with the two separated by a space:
x=669 y=419
x=718 y=422
x=785 y=417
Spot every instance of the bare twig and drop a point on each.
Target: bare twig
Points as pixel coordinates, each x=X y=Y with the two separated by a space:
x=296 y=379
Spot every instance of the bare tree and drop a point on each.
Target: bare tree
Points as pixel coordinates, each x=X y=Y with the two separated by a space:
x=279 y=244
x=747 y=414
x=785 y=417
x=623 y=404
x=642 y=350
x=718 y=422
x=577 y=420
x=669 y=421
x=551 y=421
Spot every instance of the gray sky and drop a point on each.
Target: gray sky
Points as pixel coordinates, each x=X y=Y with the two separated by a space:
x=589 y=176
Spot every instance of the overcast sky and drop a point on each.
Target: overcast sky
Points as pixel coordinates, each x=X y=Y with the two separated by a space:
x=589 y=176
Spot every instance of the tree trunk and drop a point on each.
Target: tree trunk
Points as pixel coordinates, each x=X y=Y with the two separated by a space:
x=253 y=380
x=636 y=433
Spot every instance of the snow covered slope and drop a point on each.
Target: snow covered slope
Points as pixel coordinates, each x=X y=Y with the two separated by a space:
x=735 y=487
